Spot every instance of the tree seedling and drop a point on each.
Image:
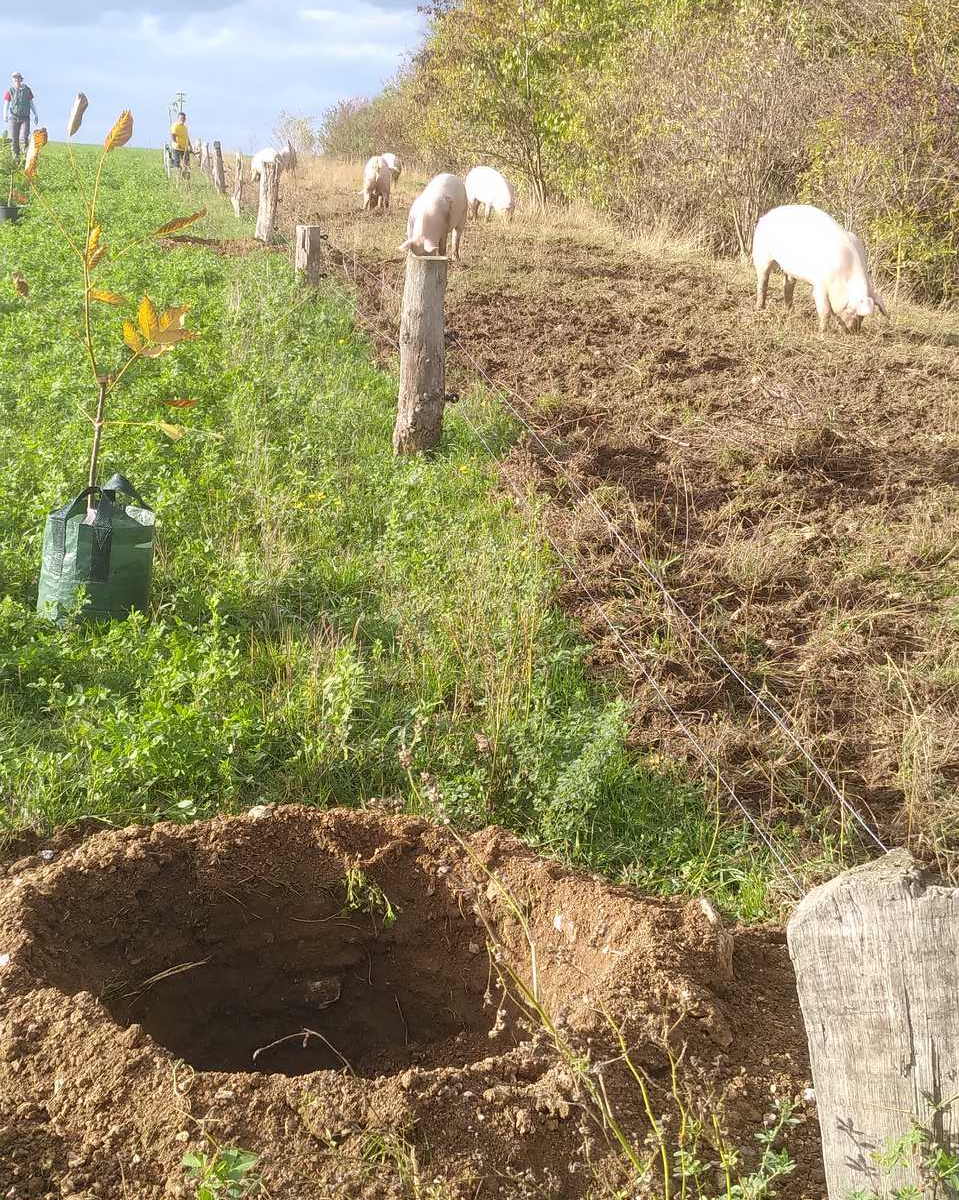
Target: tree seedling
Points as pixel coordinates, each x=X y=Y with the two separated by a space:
x=147 y=333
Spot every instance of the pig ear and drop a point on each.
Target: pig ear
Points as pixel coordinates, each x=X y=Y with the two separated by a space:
x=880 y=306
x=866 y=307
x=408 y=245
x=430 y=247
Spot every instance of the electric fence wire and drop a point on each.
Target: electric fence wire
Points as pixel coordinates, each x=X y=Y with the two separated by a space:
x=766 y=836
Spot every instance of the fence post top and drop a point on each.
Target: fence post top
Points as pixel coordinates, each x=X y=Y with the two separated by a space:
x=896 y=873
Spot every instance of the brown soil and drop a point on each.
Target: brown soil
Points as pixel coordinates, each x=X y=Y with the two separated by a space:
x=799 y=497
x=156 y=985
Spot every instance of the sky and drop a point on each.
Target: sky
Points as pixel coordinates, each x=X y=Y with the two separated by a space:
x=240 y=62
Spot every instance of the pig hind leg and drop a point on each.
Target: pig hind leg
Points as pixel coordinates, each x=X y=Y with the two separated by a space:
x=457 y=235
x=789 y=288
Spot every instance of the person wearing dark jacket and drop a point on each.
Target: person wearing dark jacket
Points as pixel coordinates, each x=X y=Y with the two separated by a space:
x=17 y=108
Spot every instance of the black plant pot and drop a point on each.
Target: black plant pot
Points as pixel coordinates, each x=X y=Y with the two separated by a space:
x=9 y=212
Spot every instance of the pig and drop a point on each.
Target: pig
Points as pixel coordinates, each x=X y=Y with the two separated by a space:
x=440 y=209
x=285 y=159
x=395 y=164
x=377 y=181
x=485 y=185
x=807 y=244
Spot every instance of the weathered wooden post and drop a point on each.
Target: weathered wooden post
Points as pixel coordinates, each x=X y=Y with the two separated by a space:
x=269 y=197
x=419 y=416
x=876 y=953
x=237 y=198
x=219 y=179
x=167 y=161
x=308 y=259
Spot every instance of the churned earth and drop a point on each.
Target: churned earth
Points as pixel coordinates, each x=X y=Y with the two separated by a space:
x=373 y=1006
x=798 y=497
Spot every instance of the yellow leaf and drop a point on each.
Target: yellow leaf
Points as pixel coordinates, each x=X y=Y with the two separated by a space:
x=179 y=403
x=179 y=223
x=76 y=114
x=21 y=287
x=33 y=156
x=154 y=351
x=174 y=316
x=147 y=318
x=96 y=256
x=94 y=239
x=106 y=297
x=131 y=337
x=173 y=337
x=173 y=432
x=40 y=138
x=121 y=132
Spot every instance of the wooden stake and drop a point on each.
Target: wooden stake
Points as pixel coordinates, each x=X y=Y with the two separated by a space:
x=875 y=952
x=237 y=198
x=269 y=197
x=309 y=253
x=419 y=417
x=219 y=179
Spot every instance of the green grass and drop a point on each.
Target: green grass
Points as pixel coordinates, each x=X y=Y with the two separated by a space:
x=330 y=625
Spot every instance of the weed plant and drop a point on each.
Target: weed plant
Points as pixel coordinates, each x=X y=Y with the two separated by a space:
x=329 y=625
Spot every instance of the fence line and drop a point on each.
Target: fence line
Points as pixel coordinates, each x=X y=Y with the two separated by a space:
x=765 y=835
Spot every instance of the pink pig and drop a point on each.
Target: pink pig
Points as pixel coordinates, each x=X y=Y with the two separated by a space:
x=807 y=244
x=436 y=212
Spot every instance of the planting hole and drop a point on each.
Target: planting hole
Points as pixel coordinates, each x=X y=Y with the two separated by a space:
x=305 y=968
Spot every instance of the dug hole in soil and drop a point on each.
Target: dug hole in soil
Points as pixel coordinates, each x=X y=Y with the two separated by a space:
x=337 y=993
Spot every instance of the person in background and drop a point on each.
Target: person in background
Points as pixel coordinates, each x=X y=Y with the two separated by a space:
x=17 y=107
x=180 y=141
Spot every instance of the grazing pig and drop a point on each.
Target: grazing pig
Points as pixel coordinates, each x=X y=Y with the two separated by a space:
x=440 y=209
x=377 y=181
x=285 y=159
x=395 y=164
x=807 y=244
x=485 y=185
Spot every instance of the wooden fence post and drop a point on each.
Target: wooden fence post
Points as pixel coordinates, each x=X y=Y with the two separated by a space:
x=201 y=156
x=219 y=179
x=876 y=953
x=167 y=161
x=237 y=198
x=309 y=253
x=269 y=196
x=419 y=417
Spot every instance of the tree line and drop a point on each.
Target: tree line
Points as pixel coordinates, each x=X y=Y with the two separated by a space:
x=702 y=113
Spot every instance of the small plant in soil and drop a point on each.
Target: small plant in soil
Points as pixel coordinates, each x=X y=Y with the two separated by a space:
x=226 y=1174
x=923 y=1152
x=365 y=896
x=154 y=332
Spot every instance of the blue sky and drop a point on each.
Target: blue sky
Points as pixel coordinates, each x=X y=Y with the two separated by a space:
x=240 y=62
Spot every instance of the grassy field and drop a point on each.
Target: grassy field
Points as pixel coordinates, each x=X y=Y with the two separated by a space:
x=329 y=625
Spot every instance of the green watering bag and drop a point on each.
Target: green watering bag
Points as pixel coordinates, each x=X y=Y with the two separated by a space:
x=107 y=550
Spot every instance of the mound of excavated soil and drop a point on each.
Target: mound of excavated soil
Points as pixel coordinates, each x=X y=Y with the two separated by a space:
x=318 y=988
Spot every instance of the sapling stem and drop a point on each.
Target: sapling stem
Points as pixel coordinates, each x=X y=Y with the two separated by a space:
x=102 y=382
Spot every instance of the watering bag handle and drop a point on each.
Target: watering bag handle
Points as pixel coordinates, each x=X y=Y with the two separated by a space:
x=120 y=483
x=102 y=527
